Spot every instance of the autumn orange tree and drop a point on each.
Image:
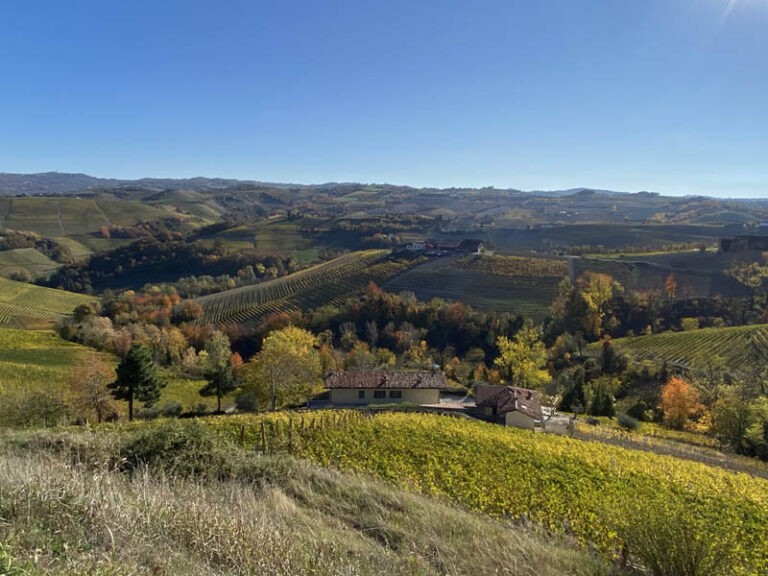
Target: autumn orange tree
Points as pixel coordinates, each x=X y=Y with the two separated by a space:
x=679 y=401
x=89 y=394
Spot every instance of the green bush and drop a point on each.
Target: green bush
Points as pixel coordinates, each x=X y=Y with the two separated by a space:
x=626 y=421
x=171 y=409
x=670 y=541
x=148 y=413
x=246 y=402
x=638 y=410
x=184 y=448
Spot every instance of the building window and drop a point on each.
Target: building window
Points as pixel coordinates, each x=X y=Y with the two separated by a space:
x=379 y=393
x=396 y=394
x=361 y=394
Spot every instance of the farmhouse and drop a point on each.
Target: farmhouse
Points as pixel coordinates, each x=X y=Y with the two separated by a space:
x=517 y=407
x=361 y=388
x=472 y=246
x=416 y=246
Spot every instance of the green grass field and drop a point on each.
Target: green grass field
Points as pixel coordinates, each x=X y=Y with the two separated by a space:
x=36 y=263
x=329 y=282
x=495 y=284
x=78 y=250
x=35 y=359
x=26 y=305
x=734 y=345
x=186 y=391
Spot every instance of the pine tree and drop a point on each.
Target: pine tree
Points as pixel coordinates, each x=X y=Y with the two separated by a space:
x=221 y=381
x=137 y=379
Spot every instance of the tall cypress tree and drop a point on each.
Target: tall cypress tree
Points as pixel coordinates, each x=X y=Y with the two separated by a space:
x=137 y=379
x=574 y=396
x=602 y=402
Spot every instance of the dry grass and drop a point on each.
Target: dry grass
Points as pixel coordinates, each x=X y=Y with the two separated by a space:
x=67 y=508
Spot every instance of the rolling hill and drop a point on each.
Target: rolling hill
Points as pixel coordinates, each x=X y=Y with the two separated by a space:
x=737 y=346
x=485 y=284
x=53 y=216
x=33 y=261
x=330 y=282
x=35 y=358
x=26 y=305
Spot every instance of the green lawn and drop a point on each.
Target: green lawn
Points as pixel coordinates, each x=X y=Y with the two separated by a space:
x=40 y=360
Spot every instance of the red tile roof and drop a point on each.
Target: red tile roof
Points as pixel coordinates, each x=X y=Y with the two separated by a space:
x=386 y=380
x=505 y=399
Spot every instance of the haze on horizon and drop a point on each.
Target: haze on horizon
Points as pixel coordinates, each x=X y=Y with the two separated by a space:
x=660 y=95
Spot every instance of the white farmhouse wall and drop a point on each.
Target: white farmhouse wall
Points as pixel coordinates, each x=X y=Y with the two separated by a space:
x=519 y=420
x=349 y=397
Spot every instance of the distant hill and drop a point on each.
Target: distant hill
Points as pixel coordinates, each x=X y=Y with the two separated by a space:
x=581 y=192
x=64 y=183
x=29 y=306
x=67 y=183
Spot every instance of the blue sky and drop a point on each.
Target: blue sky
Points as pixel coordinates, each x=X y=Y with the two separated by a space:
x=662 y=95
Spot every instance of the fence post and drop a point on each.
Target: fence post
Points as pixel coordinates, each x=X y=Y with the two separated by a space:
x=263 y=437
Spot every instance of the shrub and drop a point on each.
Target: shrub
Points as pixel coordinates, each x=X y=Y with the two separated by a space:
x=148 y=413
x=21 y=275
x=638 y=411
x=28 y=408
x=246 y=402
x=171 y=409
x=669 y=541
x=626 y=421
x=178 y=447
x=687 y=324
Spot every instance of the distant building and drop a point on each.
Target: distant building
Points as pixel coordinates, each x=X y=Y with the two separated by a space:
x=436 y=248
x=472 y=246
x=517 y=407
x=416 y=246
x=350 y=388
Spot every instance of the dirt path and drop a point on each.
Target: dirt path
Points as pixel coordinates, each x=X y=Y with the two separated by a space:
x=559 y=425
x=104 y=214
x=61 y=222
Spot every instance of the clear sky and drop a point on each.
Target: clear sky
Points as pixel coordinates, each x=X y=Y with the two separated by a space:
x=662 y=95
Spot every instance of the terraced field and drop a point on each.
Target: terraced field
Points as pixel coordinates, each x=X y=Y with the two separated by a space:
x=26 y=305
x=50 y=216
x=78 y=250
x=330 y=282
x=494 y=285
x=29 y=259
x=736 y=345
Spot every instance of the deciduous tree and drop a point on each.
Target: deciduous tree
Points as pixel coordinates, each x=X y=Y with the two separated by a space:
x=219 y=373
x=286 y=370
x=88 y=384
x=679 y=401
x=522 y=360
